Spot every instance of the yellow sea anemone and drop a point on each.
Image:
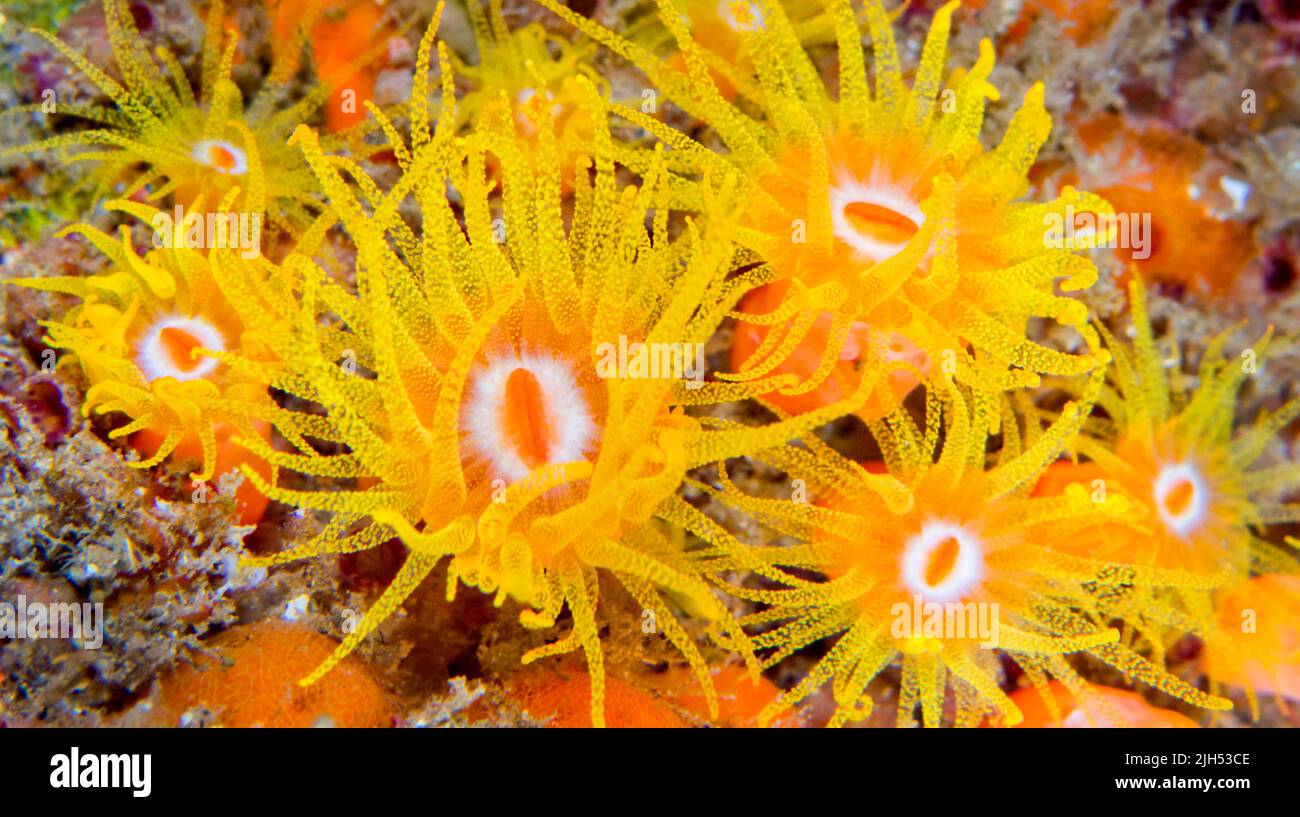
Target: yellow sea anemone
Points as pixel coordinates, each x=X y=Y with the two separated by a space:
x=941 y=564
x=151 y=336
x=496 y=403
x=1192 y=476
x=1179 y=455
x=194 y=149
x=535 y=70
x=715 y=25
x=881 y=208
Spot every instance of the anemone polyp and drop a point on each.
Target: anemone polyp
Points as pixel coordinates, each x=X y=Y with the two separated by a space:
x=526 y=412
x=1182 y=498
x=167 y=349
x=221 y=156
x=943 y=562
x=875 y=220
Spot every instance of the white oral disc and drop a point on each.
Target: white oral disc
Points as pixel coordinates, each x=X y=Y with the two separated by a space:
x=1182 y=498
x=568 y=428
x=221 y=156
x=164 y=349
x=943 y=562
x=902 y=217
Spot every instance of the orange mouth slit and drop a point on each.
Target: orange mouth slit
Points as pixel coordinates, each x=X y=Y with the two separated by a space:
x=524 y=417
x=221 y=158
x=1180 y=498
x=879 y=223
x=179 y=346
x=941 y=561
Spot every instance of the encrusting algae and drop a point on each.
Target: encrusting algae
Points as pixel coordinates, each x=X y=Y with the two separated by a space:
x=473 y=331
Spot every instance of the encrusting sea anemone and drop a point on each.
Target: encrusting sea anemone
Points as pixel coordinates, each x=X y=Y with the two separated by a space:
x=941 y=563
x=715 y=25
x=881 y=210
x=487 y=350
x=510 y=398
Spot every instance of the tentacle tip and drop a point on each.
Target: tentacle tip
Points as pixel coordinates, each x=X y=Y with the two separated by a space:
x=301 y=132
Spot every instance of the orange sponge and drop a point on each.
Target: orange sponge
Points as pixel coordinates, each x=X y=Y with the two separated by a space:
x=260 y=685
x=562 y=698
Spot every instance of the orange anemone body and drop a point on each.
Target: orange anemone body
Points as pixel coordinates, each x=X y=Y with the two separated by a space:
x=343 y=36
x=803 y=361
x=230 y=457
x=341 y=44
x=509 y=428
x=561 y=699
x=1260 y=620
x=740 y=699
x=1183 y=493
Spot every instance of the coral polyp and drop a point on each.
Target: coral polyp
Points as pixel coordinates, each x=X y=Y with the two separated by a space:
x=1199 y=494
x=490 y=433
x=150 y=333
x=537 y=72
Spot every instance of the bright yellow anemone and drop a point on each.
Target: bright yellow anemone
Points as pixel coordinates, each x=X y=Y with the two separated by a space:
x=879 y=209
x=152 y=333
x=940 y=565
x=478 y=399
x=1200 y=495
x=194 y=147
